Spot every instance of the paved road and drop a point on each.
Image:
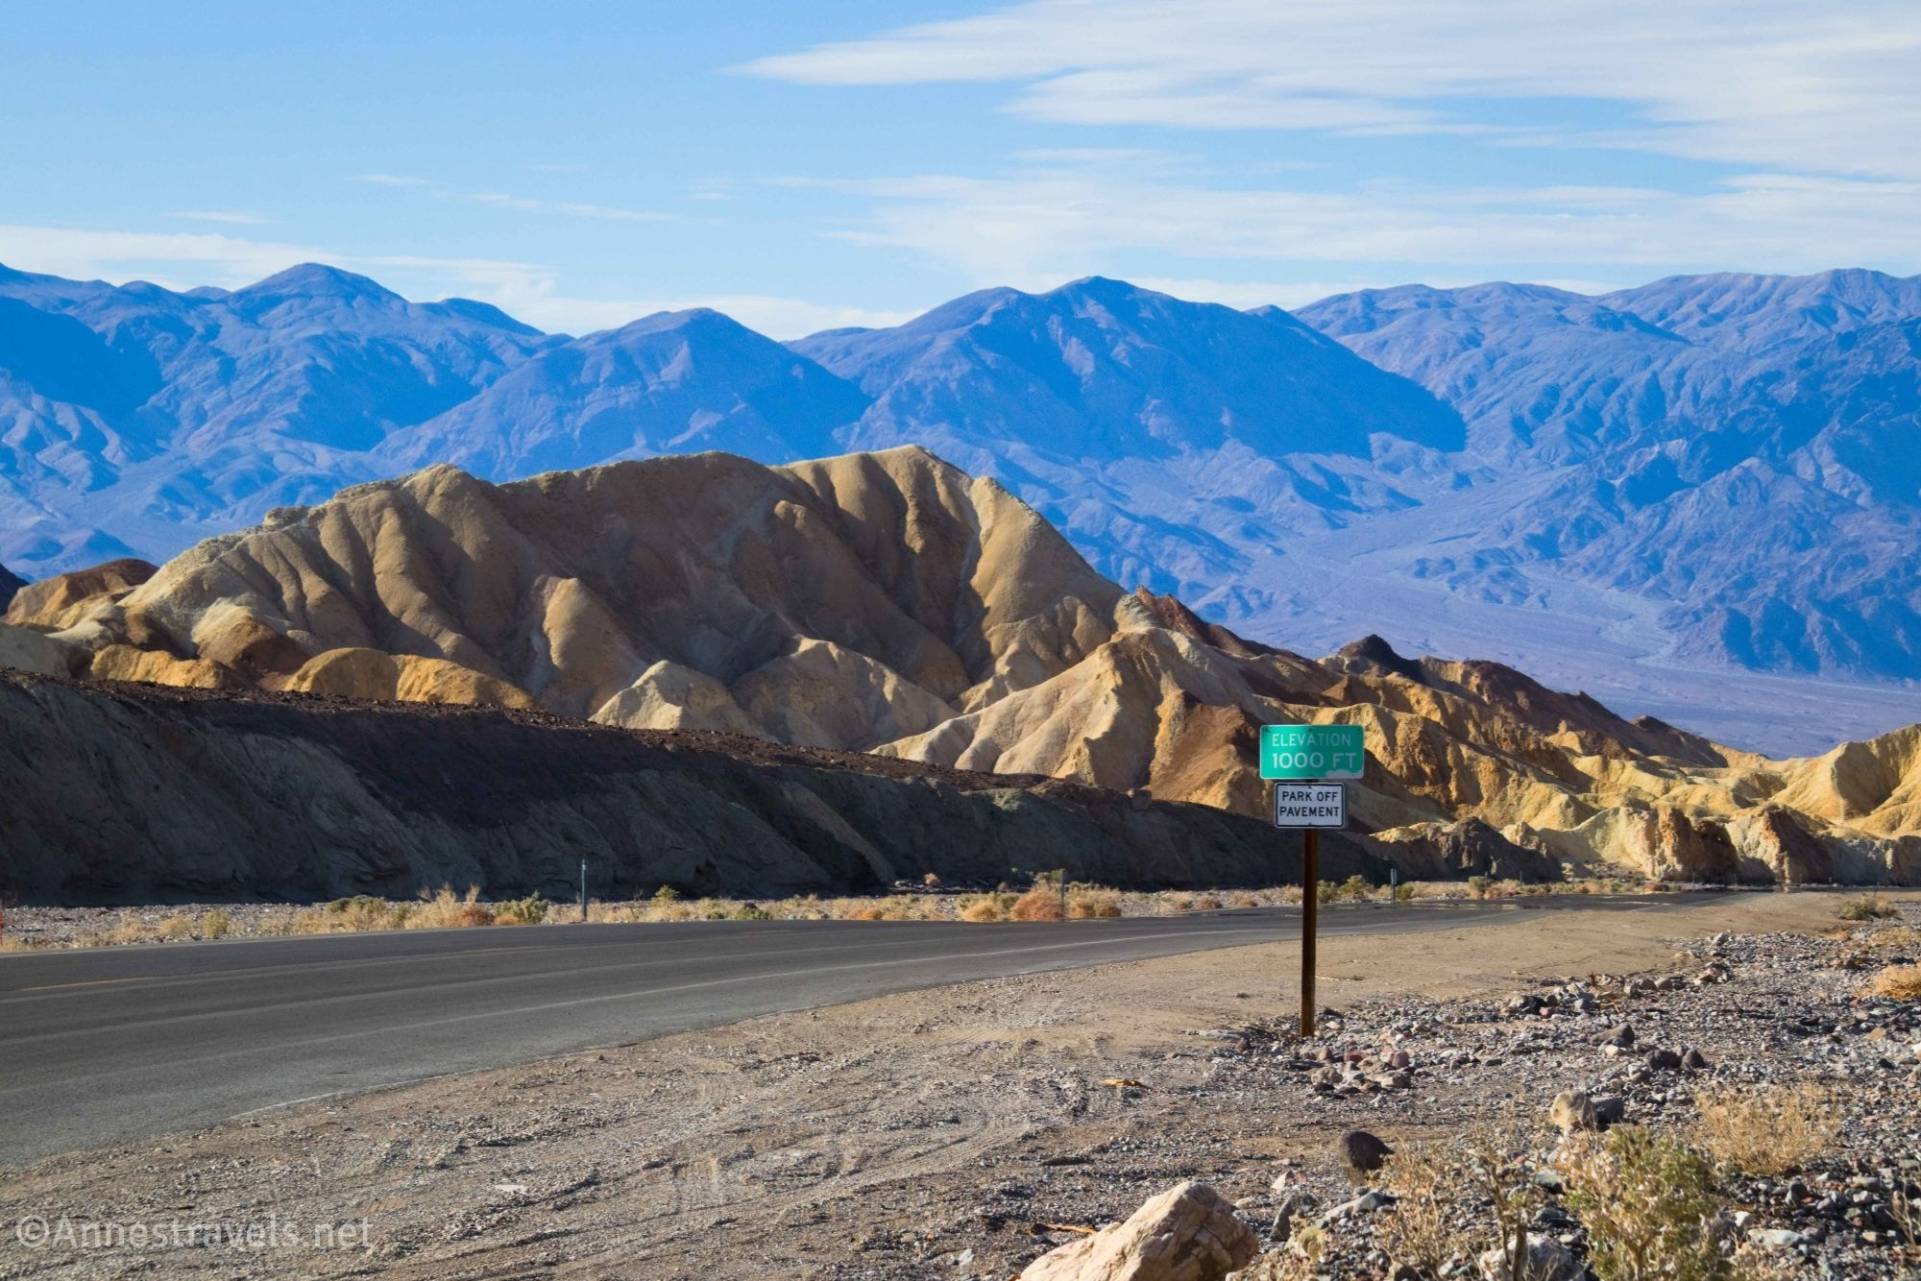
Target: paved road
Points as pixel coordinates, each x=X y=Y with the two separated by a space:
x=115 y=1044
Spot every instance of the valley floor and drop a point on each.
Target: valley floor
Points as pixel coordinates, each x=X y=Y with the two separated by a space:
x=940 y=1133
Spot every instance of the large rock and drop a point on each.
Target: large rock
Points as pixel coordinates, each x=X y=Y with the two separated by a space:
x=1187 y=1233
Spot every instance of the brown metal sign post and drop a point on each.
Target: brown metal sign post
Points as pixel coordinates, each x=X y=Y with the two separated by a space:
x=1299 y=759
x=1310 y=902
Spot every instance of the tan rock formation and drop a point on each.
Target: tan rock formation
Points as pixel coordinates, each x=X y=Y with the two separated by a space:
x=888 y=602
x=66 y=600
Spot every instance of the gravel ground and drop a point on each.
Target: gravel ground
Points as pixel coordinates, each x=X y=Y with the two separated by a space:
x=962 y=1132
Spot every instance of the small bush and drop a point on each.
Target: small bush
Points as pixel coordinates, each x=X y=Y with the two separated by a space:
x=531 y=910
x=1404 y=892
x=215 y=924
x=447 y=910
x=1898 y=983
x=1646 y=1203
x=1425 y=1230
x=1087 y=903
x=1478 y=886
x=1357 y=888
x=1765 y=1130
x=981 y=909
x=1042 y=903
x=931 y=881
x=750 y=912
x=1868 y=907
x=666 y=894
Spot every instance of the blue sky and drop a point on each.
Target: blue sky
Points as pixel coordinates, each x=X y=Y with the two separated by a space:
x=810 y=165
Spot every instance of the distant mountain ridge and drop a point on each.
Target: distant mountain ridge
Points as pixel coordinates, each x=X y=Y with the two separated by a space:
x=1745 y=450
x=1712 y=471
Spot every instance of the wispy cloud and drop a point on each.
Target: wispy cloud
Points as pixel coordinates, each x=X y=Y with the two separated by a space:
x=1778 y=84
x=1030 y=227
x=526 y=204
x=393 y=180
x=572 y=209
x=230 y=217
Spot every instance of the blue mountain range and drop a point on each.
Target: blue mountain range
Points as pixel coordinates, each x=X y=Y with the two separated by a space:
x=1716 y=472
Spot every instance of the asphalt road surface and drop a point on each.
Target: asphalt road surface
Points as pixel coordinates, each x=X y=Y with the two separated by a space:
x=113 y=1044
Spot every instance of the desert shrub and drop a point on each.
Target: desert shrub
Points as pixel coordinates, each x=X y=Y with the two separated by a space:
x=981 y=909
x=1646 y=1202
x=931 y=880
x=1042 y=903
x=1868 y=907
x=175 y=927
x=1425 y=1230
x=1404 y=892
x=616 y=913
x=445 y=910
x=215 y=924
x=354 y=915
x=666 y=894
x=1765 y=1129
x=1204 y=903
x=750 y=912
x=1478 y=886
x=531 y=910
x=1357 y=888
x=1244 y=900
x=1088 y=902
x=1898 y=983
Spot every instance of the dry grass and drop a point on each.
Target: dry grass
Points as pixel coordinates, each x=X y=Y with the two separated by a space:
x=1765 y=1130
x=1042 y=903
x=1425 y=1230
x=1087 y=903
x=983 y=909
x=446 y=910
x=1897 y=983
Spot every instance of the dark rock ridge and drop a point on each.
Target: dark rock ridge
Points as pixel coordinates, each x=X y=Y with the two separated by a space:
x=135 y=793
x=9 y=584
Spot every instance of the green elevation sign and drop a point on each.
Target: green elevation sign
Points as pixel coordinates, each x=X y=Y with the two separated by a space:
x=1312 y=751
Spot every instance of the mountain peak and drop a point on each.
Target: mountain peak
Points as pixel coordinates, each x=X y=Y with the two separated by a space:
x=318 y=280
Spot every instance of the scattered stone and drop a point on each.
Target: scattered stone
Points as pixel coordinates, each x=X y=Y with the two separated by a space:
x=1664 y=1061
x=1363 y=1153
x=1547 y=1260
x=1572 y=1112
x=1694 y=1061
x=1621 y=1035
x=1775 y=1238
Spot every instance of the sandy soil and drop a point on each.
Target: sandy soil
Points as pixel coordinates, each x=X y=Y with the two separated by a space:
x=925 y=1134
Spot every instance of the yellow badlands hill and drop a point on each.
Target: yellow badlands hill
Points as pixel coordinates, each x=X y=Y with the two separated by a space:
x=889 y=602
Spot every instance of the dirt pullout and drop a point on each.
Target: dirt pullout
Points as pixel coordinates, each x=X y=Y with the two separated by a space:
x=937 y=1133
x=130 y=793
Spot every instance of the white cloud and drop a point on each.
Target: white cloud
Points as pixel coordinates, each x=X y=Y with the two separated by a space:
x=1776 y=84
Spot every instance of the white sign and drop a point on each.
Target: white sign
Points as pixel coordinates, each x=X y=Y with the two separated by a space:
x=1310 y=805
